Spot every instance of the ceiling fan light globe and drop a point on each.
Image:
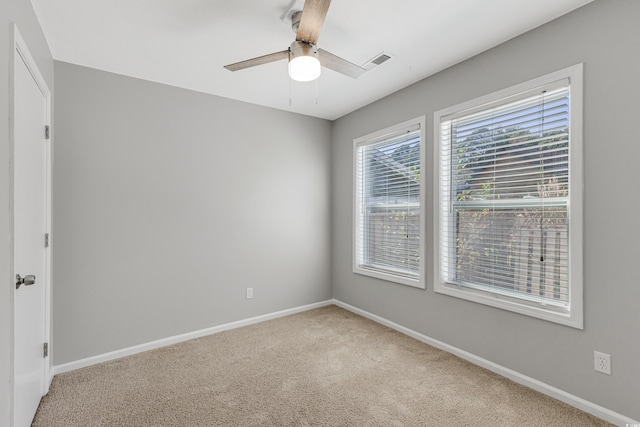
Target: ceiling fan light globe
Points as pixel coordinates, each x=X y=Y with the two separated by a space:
x=304 y=68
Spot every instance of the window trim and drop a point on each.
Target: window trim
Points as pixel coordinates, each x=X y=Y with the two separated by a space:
x=574 y=316
x=376 y=137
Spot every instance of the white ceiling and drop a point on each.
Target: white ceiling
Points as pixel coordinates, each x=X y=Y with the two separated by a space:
x=185 y=43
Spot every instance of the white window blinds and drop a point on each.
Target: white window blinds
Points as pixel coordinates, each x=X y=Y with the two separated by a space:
x=504 y=186
x=387 y=205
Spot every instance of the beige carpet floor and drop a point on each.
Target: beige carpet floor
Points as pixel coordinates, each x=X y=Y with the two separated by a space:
x=324 y=367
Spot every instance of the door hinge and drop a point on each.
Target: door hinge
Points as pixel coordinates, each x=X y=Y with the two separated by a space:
x=47 y=132
x=45 y=352
x=46 y=240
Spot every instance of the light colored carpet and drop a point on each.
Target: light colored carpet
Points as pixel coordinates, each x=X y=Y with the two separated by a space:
x=324 y=367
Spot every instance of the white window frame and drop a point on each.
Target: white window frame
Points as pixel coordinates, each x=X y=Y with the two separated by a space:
x=574 y=315
x=376 y=137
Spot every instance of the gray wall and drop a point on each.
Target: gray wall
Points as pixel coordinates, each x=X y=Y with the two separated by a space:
x=605 y=35
x=20 y=12
x=169 y=203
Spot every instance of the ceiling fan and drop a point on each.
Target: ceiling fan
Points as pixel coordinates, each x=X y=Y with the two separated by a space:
x=305 y=59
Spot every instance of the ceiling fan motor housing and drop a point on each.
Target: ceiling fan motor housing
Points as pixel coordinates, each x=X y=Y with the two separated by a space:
x=299 y=48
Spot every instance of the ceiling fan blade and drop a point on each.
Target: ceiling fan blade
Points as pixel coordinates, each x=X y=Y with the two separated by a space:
x=313 y=15
x=260 y=60
x=340 y=65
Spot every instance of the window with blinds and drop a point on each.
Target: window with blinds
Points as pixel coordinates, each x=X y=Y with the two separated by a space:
x=387 y=210
x=507 y=178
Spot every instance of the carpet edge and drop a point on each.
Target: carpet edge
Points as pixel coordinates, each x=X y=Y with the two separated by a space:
x=163 y=342
x=517 y=377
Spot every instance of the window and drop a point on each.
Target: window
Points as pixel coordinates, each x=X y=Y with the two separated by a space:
x=388 y=232
x=509 y=224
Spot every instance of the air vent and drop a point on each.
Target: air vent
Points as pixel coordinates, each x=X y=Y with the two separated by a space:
x=380 y=59
x=376 y=60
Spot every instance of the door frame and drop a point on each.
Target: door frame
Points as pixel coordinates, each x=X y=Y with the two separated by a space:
x=20 y=50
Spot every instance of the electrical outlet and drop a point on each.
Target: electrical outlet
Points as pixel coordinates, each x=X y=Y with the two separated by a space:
x=602 y=362
x=249 y=293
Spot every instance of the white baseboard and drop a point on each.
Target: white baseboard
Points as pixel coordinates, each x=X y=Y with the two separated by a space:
x=575 y=401
x=93 y=360
x=563 y=396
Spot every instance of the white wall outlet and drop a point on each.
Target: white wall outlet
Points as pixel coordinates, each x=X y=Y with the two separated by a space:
x=602 y=362
x=249 y=293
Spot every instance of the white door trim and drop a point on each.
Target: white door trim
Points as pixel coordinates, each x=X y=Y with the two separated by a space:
x=21 y=50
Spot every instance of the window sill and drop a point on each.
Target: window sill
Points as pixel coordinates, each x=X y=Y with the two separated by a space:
x=415 y=283
x=515 y=305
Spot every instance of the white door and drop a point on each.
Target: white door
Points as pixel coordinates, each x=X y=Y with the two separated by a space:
x=30 y=225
